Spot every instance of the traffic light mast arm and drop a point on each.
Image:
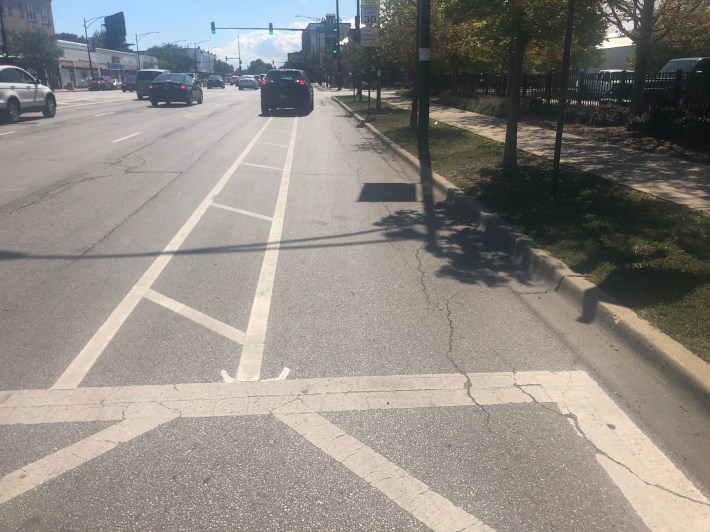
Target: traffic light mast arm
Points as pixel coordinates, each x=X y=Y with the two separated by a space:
x=265 y=29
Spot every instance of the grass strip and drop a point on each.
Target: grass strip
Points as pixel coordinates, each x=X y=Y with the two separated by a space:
x=652 y=255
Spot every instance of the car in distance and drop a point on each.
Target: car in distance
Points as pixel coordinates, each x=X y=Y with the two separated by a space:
x=286 y=88
x=234 y=81
x=22 y=93
x=173 y=87
x=102 y=83
x=129 y=83
x=248 y=82
x=215 y=81
x=143 y=79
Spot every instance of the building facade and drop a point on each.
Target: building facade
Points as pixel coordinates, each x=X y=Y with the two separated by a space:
x=32 y=15
x=74 y=64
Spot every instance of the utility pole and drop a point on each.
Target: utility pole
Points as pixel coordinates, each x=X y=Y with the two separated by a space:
x=239 y=54
x=424 y=58
x=3 y=35
x=337 y=44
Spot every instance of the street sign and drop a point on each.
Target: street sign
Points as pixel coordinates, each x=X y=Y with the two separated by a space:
x=369 y=15
x=369 y=36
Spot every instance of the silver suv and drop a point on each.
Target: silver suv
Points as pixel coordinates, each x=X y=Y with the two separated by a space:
x=21 y=93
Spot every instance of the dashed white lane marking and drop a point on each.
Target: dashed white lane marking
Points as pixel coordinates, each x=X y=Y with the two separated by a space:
x=6 y=133
x=127 y=137
x=659 y=492
x=226 y=377
x=264 y=166
x=195 y=315
x=253 y=350
x=84 y=361
x=104 y=114
x=64 y=106
x=432 y=509
x=240 y=211
x=58 y=463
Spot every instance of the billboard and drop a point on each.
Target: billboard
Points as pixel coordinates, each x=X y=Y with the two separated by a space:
x=116 y=31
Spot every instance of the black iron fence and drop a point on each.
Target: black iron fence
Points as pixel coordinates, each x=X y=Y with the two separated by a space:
x=677 y=90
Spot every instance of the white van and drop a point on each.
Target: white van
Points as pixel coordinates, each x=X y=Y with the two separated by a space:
x=143 y=79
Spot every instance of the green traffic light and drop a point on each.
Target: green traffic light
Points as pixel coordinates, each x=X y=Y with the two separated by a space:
x=213 y=28
x=271 y=28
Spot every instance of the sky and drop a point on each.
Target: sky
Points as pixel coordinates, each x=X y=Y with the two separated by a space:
x=188 y=22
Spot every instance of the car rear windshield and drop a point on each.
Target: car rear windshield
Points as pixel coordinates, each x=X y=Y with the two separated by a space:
x=148 y=74
x=283 y=75
x=179 y=78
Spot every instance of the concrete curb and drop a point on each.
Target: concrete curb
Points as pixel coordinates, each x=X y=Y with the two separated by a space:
x=661 y=351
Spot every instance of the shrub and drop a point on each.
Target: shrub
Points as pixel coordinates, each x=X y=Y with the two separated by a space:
x=669 y=123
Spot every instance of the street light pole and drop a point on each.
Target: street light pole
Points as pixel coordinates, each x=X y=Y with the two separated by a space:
x=138 y=54
x=337 y=44
x=88 y=48
x=197 y=70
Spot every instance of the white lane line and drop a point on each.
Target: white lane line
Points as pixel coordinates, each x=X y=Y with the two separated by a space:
x=657 y=490
x=127 y=137
x=84 y=361
x=104 y=114
x=279 y=131
x=272 y=144
x=253 y=350
x=6 y=133
x=195 y=315
x=415 y=497
x=225 y=376
x=45 y=469
x=240 y=211
x=264 y=166
x=59 y=106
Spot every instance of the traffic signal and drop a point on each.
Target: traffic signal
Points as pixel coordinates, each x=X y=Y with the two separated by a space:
x=335 y=50
x=4 y=51
x=213 y=30
x=271 y=28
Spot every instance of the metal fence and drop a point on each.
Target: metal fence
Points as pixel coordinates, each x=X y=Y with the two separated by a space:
x=677 y=90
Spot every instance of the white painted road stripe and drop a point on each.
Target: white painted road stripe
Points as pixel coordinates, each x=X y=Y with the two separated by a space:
x=659 y=492
x=37 y=473
x=264 y=166
x=272 y=144
x=84 y=361
x=240 y=211
x=435 y=511
x=252 y=353
x=104 y=114
x=6 y=133
x=59 y=106
x=195 y=315
x=127 y=137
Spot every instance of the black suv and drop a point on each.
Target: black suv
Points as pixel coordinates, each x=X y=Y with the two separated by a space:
x=286 y=88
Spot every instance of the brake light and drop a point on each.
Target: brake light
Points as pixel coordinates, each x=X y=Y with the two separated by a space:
x=282 y=70
x=183 y=87
x=150 y=86
x=301 y=82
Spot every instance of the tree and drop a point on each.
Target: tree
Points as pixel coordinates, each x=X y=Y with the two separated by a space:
x=510 y=30
x=99 y=38
x=71 y=37
x=258 y=67
x=222 y=68
x=38 y=51
x=172 y=57
x=647 y=23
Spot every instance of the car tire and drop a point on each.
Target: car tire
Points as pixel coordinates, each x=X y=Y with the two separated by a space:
x=13 y=111
x=200 y=98
x=140 y=96
x=188 y=100
x=153 y=102
x=264 y=109
x=50 y=107
x=241 y=88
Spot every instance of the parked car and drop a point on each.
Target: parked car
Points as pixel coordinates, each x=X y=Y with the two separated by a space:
x=684 y=80
x=102 y=83
x=603 y=84
x=248 y=82
x=173 y=87
x=215 y=81
x=143 y=79
x=234 y=81
x=286 y=88
x=129 y=83
x=22 y=93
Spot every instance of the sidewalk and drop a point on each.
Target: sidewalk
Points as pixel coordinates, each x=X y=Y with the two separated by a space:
x=671 y=179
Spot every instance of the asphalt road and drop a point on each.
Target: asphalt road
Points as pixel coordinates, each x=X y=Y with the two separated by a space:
x=215 y=320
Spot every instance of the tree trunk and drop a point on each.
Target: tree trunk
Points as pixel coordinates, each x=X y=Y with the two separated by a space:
x=643 y=52
x=512 y=97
